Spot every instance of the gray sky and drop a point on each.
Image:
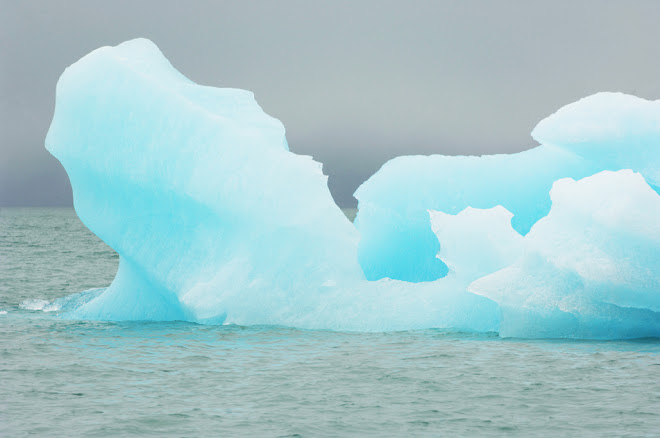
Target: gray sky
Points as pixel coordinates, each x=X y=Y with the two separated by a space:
x=355 y=82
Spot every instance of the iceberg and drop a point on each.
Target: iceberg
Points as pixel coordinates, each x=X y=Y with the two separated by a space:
x=589 y=269
x=476 y=242
x=606 y=131
x=216 y=221
x=213 y=218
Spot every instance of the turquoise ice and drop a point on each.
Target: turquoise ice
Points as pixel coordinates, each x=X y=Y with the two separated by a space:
x=606 y=131
x=589 y=269
x=216 y=221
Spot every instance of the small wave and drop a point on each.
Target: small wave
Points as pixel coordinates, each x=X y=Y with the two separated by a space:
x=37 y=304
x=67 y=303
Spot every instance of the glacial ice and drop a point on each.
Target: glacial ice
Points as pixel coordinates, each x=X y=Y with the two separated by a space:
x=476 y=242
x=212 y=216
x=606 y=131
x=216 y=221
x=589 y=268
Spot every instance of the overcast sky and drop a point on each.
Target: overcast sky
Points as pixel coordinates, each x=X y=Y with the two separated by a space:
x=355 y=83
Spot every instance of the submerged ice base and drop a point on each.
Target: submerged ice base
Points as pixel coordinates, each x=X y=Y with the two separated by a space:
x=216 y=221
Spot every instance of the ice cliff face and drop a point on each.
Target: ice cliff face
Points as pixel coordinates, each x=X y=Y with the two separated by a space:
x=216 y=221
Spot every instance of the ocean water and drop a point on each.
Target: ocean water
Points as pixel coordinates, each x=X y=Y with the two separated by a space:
x=61 y=378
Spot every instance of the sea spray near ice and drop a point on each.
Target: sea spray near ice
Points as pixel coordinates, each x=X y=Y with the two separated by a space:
x=216 y=221
x=63 y=304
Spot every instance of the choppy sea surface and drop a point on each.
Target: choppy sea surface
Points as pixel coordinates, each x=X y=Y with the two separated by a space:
x=62 y=378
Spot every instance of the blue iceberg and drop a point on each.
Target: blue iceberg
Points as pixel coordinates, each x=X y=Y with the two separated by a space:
x=589 y=269
x=606 y=131
x=216 y=221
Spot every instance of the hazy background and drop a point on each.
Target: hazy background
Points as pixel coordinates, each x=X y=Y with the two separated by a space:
x=355 y=82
